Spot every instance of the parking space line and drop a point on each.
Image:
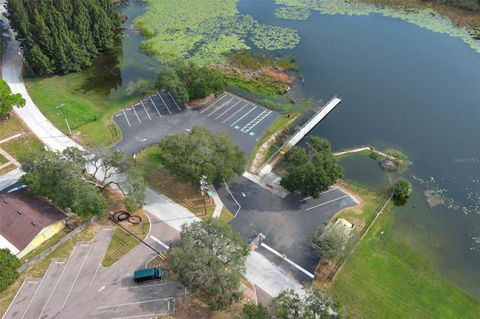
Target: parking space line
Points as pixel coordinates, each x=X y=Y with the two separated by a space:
x=160 y=242
x=141 y=102
x=255 y=121
x=220 y=107
x=161 y=98
x=150 y=315
x=325 y=192
x=151 y=100
x=174 y=101
x=76 y=277
x=15 y=297
x=227 y=110
x=205 y=109
x=330 y=201
x=254 y=107
x=133 y=107
x=235 y=113
x=146 y=286
x=133 y=303
x=128 y=122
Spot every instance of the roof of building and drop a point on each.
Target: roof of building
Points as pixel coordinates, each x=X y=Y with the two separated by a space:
x=23 y=216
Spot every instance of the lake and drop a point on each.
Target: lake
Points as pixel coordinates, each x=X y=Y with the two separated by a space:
x=408 y=88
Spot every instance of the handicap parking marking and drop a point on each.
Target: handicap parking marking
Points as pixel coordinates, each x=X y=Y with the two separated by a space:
x=125 y=114
x=253 y=108
x=231 y=107
x=151 y=100
x=161 y=98
x=141 y=102
x=235 y=113
x=215 y=102
x=220 y=107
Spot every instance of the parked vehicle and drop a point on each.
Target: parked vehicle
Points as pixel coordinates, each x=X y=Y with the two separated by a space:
x=146 y=274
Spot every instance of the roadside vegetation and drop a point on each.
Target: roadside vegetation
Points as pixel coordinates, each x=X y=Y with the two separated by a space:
x=8 y=100
x=8 y=268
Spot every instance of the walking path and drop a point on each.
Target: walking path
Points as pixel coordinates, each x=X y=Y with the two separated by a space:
x=218 y=203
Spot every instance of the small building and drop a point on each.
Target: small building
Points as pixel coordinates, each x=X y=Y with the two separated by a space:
x=27 y=221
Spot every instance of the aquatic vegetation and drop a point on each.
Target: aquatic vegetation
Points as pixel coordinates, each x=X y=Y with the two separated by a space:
x=203 y=31
x=425 y=18
x=274 y=38
x=292 y=13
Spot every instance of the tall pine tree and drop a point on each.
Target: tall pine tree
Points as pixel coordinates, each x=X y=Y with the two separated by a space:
x=61 y=36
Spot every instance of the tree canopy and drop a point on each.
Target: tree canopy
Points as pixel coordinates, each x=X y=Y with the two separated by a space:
x=189 y=81
x=8 y=268
x=288 y=305
x=9 y=100
x=201 y=152
x=47 y=174
x=62 y=36
x=311 y=171
x=209 y=259
x=402 y=190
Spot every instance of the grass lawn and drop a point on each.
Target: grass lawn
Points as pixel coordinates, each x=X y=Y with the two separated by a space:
x=20 y=146
x=46 y=244
x=88 y=109
x=385 y=279
x=3 y=160
x=39 y=269
x=161 y=180
x=122 y=242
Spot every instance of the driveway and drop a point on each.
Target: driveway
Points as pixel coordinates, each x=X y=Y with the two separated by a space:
x=289 y=224
x=158 y=115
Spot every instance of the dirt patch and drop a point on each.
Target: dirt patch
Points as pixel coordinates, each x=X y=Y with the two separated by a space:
x=200 y=102
x=259 y=156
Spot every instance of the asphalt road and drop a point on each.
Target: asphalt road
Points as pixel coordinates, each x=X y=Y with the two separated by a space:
x=81 y=288
x=159 y=115
x=288 y=223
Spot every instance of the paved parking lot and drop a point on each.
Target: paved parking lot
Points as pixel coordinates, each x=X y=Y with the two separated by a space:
x=289 y=224
x=159 y=115
x=81 y=288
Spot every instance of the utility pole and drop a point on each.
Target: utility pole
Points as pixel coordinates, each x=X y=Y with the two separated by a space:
x=204 y=189
x=65 y=118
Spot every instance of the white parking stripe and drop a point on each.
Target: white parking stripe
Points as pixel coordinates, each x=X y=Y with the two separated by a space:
x=133 y=303
x=160 y=242
x=146 y=286
x=141 y=102
x=164 y=102
x=235 y=113
x=128 y=122
x=306 y=272
x=227 y=110
x=150 y=315
x=254 y=107
x=255 y=121
x=151 y=100
x=330 y=201
x=220 y=107
x=205 y=109
x=174 y=101
x=133 y=107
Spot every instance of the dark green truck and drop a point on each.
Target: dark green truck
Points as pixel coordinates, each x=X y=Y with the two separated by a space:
x=146 y=274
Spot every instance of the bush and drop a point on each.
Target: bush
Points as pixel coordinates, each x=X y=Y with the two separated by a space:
x=402 y=190
x=8 y=268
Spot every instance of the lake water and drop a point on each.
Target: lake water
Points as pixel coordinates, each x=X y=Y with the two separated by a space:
x=408 y=88
x=402 y=86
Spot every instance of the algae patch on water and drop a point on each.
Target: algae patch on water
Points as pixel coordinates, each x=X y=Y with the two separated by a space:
x=425 y=18
x=203 y=31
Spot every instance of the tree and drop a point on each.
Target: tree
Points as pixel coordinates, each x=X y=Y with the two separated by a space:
x=201 y=152
x=402 y=190
x=8 y=100
x=64 y=35
x=330 y=244
x=313 y=305
x=189 y=81
x=209 y=259
x=255 y=312
x=49 y=175
x=311 y=172
x=111 y=168
x=8 y=268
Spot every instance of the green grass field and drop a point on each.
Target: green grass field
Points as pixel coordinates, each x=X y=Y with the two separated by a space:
x=20 y=146
x=89 y=111
x=385 y=279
